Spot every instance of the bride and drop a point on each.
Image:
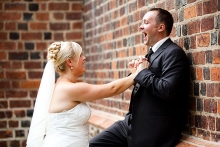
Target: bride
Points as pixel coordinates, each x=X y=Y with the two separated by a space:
x=61 y=112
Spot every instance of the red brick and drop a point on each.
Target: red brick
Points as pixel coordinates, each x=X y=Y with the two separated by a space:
x=217 y=90
x=3 y=104
x=1 y=94
x=203 y=134
x=73 y=16
x=41 y=46
x=3 y=124
x=211 y=123
x=32 y=65
x=58 y=6
x=34 y=74
x=5 y=114
x=124 y=21
x=215 y=73
x=45 y=55
x=15 y=84
x=10 y=16
x=193 y=42
x=76 y=7
x=210 y=90
x=216 y=56
x=3 y=36
x=42 y=6
x=73 y=35
x=19 y=103
x=13 y=124
x=109 y=36
x=7 y=45
x=58 y=16
x=219 y=111
x=199 y=57
x=33 y=94
x=38 y=26
x=16 y=94
x=15 y=7
x=203 y=40
x=159 y=5
x=215 y=137
x=19 y=113
x=210 y=6
x=31 y=36
x=4 y=84
x=6 y=134
x=2 y=56
x=1 y=25
x=16 y=75
x=59 y=26
x=30 y=84
x=3 y=143
x=16 y=65
x=24 y=143
x=199 y=9
x=199 y=74
x=190 y=12
x=42 y=16
x=207 y=24
x=112 y=5
x=20 y=46
x=58 y=36
x=124 y=106
x=15 y=143
x=169 y=5
x=194 y=27
x=5 y=64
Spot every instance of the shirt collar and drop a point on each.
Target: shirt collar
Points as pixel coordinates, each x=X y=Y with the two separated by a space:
x=158 y=44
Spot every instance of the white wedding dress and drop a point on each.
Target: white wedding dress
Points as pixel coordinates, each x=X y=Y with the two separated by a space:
x=68 y=128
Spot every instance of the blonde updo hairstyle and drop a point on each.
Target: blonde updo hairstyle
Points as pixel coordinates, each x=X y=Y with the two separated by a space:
x=58 y=52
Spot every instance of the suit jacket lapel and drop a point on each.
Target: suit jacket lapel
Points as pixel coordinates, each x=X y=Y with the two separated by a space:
x=160 y=50
x=153 y=57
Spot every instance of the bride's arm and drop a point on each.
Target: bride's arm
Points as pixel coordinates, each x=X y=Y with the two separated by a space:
x=87 y=92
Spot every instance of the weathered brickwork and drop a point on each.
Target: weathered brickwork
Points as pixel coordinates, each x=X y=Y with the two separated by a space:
x=108 y=31
x=27 y=27
x=112 y=38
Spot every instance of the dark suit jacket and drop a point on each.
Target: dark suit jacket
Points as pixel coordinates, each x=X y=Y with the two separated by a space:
x=158 y=107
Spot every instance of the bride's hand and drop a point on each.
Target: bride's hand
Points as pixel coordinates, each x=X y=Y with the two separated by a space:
x=134 y=64
x=142 y=64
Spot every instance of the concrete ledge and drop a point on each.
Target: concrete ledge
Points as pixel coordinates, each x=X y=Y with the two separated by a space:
x=104 y=120
x=192 y=141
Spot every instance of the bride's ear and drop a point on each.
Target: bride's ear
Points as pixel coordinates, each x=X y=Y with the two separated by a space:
x=69 y=62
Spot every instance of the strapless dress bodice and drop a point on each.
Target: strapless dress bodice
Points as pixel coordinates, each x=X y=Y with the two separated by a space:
x=68 y=128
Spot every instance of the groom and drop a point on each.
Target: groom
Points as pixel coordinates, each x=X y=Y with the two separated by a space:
x=158 y=110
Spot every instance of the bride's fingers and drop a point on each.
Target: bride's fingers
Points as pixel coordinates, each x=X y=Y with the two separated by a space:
x=131 y=64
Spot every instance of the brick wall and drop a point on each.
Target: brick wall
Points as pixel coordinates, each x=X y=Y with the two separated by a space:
x=112 y=38
x=109 y=32
x=27 y=27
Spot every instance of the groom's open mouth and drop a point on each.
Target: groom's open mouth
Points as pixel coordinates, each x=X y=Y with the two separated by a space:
x=145 y=35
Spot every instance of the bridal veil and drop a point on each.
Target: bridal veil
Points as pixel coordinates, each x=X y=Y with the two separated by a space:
x=40 y=115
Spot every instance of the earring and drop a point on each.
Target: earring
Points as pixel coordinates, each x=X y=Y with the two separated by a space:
x=71 y=67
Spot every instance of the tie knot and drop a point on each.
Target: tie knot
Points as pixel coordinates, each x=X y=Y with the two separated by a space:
x=150 y=53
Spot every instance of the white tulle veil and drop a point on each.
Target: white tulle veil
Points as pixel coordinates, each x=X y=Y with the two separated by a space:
x=40 y=115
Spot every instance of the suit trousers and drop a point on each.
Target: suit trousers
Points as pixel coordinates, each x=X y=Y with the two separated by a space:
x=117 y=135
